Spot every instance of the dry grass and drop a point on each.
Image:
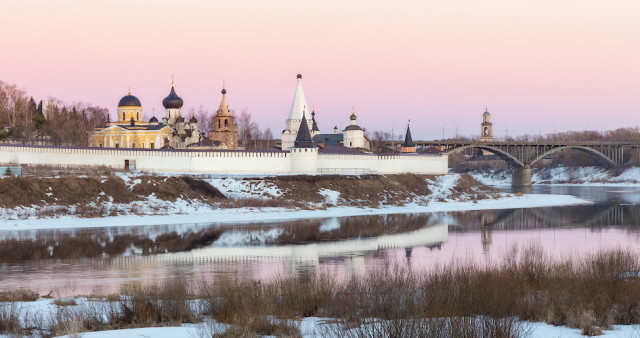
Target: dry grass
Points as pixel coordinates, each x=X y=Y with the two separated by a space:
x=64 y=302
x=19 y=295
x=10 y=322
x=591 y=293
x=463 y=299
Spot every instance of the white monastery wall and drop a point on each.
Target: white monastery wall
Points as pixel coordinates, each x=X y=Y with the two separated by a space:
x=417 y=164
x=226 y=161
x=152 y=160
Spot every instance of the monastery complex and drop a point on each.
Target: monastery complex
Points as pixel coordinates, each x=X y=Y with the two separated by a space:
x=175 y=143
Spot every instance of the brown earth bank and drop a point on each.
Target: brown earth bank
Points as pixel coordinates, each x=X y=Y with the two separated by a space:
x=97 y=195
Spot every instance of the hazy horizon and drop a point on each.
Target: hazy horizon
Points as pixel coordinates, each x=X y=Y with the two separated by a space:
x=537 y=66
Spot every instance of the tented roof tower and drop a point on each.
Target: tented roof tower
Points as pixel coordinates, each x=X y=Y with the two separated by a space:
x=303 y=139
x=298 y=108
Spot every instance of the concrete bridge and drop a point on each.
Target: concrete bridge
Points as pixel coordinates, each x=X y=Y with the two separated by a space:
x=522 y=155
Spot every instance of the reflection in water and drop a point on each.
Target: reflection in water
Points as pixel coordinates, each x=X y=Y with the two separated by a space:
x=73 y=261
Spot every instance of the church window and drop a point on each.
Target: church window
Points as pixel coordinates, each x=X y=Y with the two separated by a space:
x=123 y=116
x=226 y=123
x=219 y=126
x=142 y=146
x=138 y=115
x=350 y=144
x=117 y=145
x=133 y=145
x=152 y=145
x=100 y=145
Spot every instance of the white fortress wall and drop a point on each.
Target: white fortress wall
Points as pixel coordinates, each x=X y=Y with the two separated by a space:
x=417 y=164
x=226 y=161
x=347 y=164
x=152 y=160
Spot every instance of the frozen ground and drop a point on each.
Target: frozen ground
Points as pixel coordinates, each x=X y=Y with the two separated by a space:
x=154 y=211
x=588 y=176
x=205 y=214
x=309 y=326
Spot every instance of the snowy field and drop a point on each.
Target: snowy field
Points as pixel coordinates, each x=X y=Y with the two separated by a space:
x=308 y=326
x=586 y=176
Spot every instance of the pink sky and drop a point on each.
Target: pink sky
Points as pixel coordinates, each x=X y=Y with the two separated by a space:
x=537 y=65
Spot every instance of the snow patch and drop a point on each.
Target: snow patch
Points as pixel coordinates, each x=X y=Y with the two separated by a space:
x=239 y=189
x=332 y=197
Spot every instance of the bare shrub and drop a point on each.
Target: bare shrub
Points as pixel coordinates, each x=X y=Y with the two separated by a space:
x=167 y=303
x=19 y=295
x=64 y=302
x=10 y=323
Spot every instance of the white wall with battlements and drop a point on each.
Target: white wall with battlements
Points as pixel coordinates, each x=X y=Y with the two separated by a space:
x=225 y=162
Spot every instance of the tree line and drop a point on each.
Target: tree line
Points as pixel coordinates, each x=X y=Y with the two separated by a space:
x=52 y=119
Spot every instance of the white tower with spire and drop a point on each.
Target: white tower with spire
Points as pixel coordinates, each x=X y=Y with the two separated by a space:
x=298 y=110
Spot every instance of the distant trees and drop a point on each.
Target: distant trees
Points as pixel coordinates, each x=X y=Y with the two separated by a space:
x=21 y=117
x=249 y=133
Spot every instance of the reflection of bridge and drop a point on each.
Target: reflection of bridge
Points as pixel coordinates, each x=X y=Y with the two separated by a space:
x=535 y=218
x=522 y=155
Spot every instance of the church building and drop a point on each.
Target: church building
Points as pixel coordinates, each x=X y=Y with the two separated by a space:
x=351 y=137
x=130 y=131
x=225 y=130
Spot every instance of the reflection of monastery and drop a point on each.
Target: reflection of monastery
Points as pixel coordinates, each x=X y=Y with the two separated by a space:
x=175 y=143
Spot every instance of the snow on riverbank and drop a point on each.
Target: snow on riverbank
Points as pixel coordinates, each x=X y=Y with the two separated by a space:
x=313 y=327
x=588 y=176
x=205 y=214
x=308 y=326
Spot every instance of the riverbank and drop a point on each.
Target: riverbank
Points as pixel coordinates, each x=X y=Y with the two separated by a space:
x=527 y=293
x=125 y=199
x=587 y=176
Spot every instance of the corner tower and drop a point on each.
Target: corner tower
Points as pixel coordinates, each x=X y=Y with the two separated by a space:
x=408 y=146
x=486 y=127
x=304 y=155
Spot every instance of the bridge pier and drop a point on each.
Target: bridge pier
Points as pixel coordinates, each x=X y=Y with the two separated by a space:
x=521 y=177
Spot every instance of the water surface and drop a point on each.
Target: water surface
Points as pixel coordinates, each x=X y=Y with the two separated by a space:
x=99 y=260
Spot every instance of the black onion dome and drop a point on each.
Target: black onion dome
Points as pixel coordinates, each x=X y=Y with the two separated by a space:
x=129 y=101
x=353 y=116
x=193 y=119
x=172 y=101
x=153 y=119
x=224 y=91
x=299 y=76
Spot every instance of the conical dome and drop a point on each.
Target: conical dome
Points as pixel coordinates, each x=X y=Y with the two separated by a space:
x=172 y=101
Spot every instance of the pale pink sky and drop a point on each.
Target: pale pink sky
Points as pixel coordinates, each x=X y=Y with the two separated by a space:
x=571 y=64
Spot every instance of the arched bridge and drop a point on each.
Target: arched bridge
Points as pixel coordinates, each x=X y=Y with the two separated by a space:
x=522 y=155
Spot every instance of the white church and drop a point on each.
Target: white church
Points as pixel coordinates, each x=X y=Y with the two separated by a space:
x=352 y=136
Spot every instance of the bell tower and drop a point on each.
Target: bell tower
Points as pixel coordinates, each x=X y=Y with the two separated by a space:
x=486 y=127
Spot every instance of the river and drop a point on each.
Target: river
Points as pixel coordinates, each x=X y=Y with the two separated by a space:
x=98 y=260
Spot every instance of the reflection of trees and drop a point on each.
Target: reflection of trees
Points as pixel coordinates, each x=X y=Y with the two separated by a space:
x=55 y=245
x=353 y=227
x=59 y=244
